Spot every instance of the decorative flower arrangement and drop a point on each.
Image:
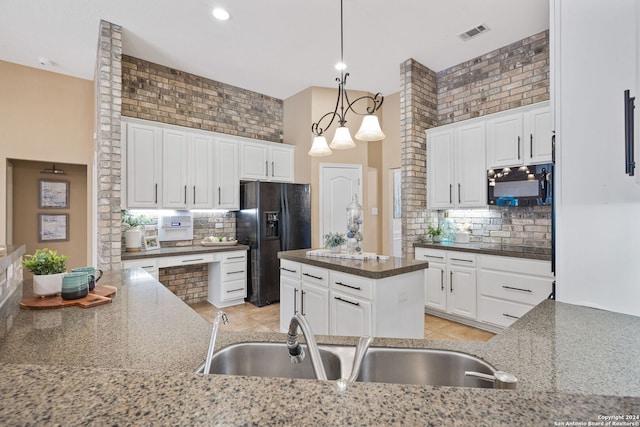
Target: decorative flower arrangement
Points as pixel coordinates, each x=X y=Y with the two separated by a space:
x=333 y=240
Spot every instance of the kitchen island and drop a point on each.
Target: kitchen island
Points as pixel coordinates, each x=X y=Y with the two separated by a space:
x=131 y=362
x=355 y=297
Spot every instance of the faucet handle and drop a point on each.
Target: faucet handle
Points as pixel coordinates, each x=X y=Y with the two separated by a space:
x=500 y=379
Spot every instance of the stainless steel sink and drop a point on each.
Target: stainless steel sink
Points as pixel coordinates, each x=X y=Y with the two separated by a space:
x=269 y=360
x=381 y=364
x=423 y=367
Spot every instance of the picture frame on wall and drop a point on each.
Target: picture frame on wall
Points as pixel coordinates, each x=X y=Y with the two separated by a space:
x=53 y=227
x=151 y=243
x=54 y=194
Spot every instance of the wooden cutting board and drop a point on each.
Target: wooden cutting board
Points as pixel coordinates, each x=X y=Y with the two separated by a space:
x=101 y=294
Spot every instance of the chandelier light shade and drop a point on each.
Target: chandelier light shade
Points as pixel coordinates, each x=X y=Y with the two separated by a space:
x=342 y=139
x=319 y=147
x=369 y=130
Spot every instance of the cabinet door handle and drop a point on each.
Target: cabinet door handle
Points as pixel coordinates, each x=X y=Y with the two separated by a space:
x=235 y=272
x=451 y=281
x=193 y=259
x=357 y=288
x=266 y=169
x=459 y=187
x=450 y=193
x=219 y=197
x=302 y=303
x=312 y=276
x=463 y=260
x=516 y=289
x=185 y=194
x=441 y=279
x=194 y=194
x=236 y=257
x=629 y=106
x=510 y=316
x=518 y=148
x=273 y=169
x=347 y=301
x=531 y=146
x=285 y=269
x=156 y=196
x=295 y=301
x=235 y=290
x=432 y=256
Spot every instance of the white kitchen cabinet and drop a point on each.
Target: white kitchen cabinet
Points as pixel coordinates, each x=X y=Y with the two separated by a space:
x=175 y=169
x=227 y=181
x=521 y=136
x=350 y=316
x=150 y=265
x=596 y=266
x=461 y=299
x=304 y=289
x=509 y=287
x=338 y=303
x=200 y=190
x=143 y=166
x=266 y=161
x=485 y=291
x=456 y=170
x=440 y=159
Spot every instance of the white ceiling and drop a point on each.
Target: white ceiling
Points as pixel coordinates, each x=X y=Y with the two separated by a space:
x=275 y=47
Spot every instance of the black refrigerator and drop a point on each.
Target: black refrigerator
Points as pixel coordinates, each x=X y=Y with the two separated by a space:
x=273 y=217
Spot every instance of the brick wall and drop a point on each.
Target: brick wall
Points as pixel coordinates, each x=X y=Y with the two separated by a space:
x=189 y=283
x=509 y=77
x=163 y=94
x=108 y=82
x=418 y=109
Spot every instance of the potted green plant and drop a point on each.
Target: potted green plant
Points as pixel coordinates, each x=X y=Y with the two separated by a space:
x=333 y=241
x=435 y=234
x=48 y=268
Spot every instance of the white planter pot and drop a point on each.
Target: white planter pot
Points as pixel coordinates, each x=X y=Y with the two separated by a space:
x=133 y=240
x=48 y=284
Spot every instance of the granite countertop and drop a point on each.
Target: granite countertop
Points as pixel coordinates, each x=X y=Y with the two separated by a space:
x=132 y=362
x=515 y=251
x=372 y=269
x=181 y=250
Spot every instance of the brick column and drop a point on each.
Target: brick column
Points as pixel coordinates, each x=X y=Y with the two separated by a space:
x=108 y=81
x=418 y=112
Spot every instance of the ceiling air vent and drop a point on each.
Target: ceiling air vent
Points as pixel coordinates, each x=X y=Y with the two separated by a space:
x=474 y=32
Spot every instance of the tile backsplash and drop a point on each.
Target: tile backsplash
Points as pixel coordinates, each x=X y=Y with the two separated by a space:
x=523 y=226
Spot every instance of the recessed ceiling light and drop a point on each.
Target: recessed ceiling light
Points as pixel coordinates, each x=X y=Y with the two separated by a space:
x=220 y=14
x=341 y=66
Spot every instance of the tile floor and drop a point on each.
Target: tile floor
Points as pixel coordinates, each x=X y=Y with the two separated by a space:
x=248 y=317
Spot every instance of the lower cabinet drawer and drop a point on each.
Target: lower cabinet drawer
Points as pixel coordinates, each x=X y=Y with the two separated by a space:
x=348 y=283
x=234 y=271
x=514 y=287
x=500 y=312
x=233 y=290
x=175 y=261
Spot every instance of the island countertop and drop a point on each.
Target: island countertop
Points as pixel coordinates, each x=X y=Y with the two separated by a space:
x=97 y=366
x=372 y=269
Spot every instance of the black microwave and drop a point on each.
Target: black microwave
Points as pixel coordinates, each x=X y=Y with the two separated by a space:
x=520 y=186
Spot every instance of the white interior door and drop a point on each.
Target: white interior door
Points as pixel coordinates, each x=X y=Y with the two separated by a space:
x=396 y=213
x=338 y=183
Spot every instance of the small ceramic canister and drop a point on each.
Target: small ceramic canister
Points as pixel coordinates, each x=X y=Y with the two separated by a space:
x=91 y=271
x=75 y=285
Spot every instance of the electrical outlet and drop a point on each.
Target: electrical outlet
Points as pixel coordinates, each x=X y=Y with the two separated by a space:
x=374 y=211
x=219 y=225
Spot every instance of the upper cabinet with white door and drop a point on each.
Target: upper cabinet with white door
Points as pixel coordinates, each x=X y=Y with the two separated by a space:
x=143 y=166
x=226 y=184
x=521 y=136
x=456 y=170
x=266 y=161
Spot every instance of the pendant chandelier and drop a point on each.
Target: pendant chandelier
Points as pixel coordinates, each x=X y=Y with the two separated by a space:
x=370 y=128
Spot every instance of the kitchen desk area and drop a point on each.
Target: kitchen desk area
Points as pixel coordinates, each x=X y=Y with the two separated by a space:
x=131 y=362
